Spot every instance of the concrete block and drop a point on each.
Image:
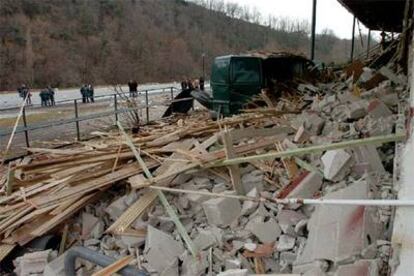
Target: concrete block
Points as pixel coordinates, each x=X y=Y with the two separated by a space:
x=357 y=110
x=88 y=223
x=266 y=231
x=367 y=159
x=222 y=211
x=205 y=239
x=250 y=206
x=161 y=249
x=313 y=123
x=116 y=208
x=377 y=109
x=98 y=230
x=285 y=243
x=336 y=164
x=253 y=179
x=308 y=186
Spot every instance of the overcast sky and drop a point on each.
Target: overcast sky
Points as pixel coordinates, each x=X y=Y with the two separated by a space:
x=330 y=14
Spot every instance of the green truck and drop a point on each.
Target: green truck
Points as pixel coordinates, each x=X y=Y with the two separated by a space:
x=235 y=79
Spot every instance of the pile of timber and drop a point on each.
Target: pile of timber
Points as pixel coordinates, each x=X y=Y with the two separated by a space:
x=49 y=186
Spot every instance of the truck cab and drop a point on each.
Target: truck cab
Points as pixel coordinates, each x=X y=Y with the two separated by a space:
x=235 y=79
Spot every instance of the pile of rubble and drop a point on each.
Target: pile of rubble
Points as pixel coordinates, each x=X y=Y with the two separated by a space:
x=182 y=197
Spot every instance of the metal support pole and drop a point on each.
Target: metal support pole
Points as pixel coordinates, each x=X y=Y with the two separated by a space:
x=77 y=121
x=146 y=105
x=369 y=42
x=313 y=30
x=26 y=133
x=204 y=71
x=172 y=93
x=116 y=107
x=353 y=39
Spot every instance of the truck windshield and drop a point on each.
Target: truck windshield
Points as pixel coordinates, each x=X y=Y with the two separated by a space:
x=220 y=72
x=246 y=70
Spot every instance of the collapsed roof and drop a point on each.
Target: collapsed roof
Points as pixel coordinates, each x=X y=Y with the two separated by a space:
x=380 y=15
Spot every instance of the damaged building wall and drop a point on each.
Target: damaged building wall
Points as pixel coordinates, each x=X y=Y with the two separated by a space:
x=403 y=241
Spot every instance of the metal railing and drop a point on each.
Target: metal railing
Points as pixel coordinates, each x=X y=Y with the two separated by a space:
x=26 y=128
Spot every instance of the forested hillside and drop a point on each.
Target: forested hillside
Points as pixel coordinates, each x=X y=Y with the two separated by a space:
x=68 y=42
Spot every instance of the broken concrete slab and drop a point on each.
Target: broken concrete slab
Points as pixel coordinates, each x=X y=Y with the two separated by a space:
x=33 y=263
x=377 y=109
x=56 y=267
x=316 y=268
x=388 y=73
x=116 y=208
x=161 y=249
x=337 y=233
x=222 y=211
x=308 y=186
x=336 y=164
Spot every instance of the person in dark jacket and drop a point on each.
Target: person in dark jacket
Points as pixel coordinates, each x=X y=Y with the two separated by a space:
x=51 y=93
x=84 y=93
x=133 y=88
x=91 y=93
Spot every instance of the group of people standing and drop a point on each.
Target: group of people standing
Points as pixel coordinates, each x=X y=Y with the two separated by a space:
x=47 y=96
x=193 y=84
x=87 y=93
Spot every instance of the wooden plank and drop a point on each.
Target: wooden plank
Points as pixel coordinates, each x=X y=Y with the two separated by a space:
x=233 y=169
x=114 y=267
x=89 y=186
x=132 y=213
x=5 y=250
x=55 y=220
x=251 y=132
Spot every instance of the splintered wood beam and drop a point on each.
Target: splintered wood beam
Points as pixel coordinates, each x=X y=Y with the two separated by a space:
x=134 y=150
x=233 y=169
x=308 y=150
x=180 y=227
